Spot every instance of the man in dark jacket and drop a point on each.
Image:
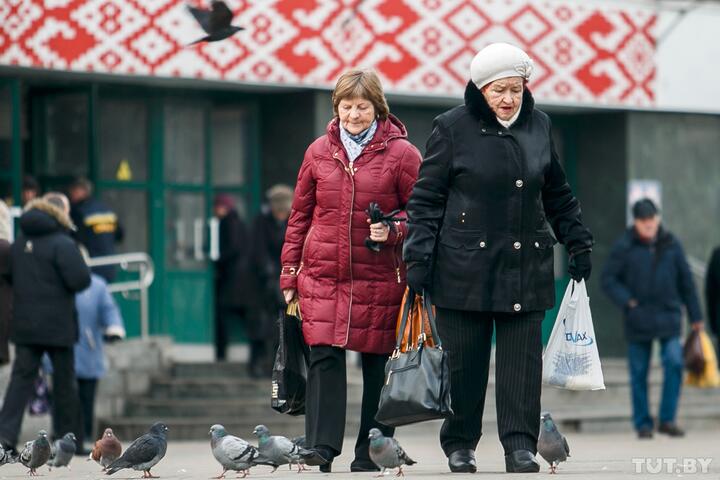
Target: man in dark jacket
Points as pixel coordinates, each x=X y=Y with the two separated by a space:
x=712 y=292
x=231 y=286
x=5 y=290
x=47 y=270
x=648 y=277
x=97 y=226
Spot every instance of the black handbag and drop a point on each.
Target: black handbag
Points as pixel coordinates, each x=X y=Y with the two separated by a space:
x=289 y=375
x=417 y=382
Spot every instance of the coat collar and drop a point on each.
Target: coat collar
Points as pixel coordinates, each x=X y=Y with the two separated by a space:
x=479 y=108
x=388 y=129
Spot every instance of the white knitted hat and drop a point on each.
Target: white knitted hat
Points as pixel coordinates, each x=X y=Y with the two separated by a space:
x=499 y=60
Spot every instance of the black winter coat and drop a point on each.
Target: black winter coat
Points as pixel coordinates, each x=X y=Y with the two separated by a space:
x=232 y=283
x=478 y=213
x=98 y=229
x=5 y=301
x=712 y=291
x=268 y=236
x=47 y=271
x=658 y=277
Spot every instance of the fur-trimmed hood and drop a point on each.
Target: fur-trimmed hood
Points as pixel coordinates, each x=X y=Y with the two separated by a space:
x=479 y=108
x=41 y=217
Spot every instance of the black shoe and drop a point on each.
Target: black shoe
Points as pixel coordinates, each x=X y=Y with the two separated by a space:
x=82 y=452
x=327 y=468
x=321 y=456
x=521 y=461
x=645 y=434
x=671 y=429
x=363 y=465
x=462 y=461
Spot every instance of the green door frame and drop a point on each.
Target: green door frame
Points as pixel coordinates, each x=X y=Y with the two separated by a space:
x=14 y=175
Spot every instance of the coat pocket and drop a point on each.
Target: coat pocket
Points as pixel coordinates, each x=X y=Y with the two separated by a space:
x=465 y=239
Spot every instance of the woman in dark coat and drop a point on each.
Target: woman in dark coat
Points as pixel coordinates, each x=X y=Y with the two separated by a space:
x=5 y=290
x=349 y=295
x=479 y=243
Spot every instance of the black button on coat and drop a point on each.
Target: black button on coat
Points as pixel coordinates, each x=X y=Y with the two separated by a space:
x=47 y=271
x=478 y=214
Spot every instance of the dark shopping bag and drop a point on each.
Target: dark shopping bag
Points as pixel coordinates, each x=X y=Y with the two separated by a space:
x=417 y=381
x=289 y=374
x=693 y=353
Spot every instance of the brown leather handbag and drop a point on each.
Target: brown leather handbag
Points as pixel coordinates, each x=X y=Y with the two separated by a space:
x=693 y=353
x=416 y=324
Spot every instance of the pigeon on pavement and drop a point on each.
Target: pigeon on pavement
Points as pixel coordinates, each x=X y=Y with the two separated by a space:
x=552 y=445
x=281 y=450
x=63 y=451
x=36 y=453
x=107 y=449
x=234 y=453
x=386 y=452
x=7 y=456
x=144 y=453
x=216 y=22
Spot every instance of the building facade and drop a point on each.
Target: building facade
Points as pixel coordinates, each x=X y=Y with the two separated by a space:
x=111 y=90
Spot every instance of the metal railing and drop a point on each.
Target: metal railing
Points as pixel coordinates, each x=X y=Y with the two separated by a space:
x=132 y=262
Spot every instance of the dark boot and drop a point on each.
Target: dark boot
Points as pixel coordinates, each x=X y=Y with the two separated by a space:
x=521 y=461
x=671 y=429
x=462 y=461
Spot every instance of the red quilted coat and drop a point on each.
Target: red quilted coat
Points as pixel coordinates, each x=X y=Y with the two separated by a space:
x=349 y=295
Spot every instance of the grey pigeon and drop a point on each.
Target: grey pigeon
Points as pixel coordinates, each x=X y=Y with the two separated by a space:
x=281 y=450
x=144 y=453
x=36 y=453
x=6 y=457
x=216 y=22
x=552 y=445
x=234 y=453
x=63 y=451
x=386 y=453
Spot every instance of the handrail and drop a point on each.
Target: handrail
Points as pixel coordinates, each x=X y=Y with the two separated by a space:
x=143 y=264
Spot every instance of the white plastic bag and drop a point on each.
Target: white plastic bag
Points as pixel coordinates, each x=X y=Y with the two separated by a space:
x=571 y=360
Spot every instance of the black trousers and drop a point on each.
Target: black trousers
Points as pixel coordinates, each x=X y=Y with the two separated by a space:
x=326 y=399
x=467 y=337
x=66 y=404
x=87 y=387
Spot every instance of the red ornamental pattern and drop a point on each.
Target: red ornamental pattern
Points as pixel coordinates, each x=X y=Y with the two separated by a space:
x=589 y=52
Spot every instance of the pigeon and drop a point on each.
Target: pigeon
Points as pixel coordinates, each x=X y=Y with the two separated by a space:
x=552 y=445
x=281 y=450
x=106 y=450
x=36 y=453
x=300 y=441
x=234 y=453
x=144 y=453
x=386 y=453
x=216 y=22
x=7 y=456
x=63 y=451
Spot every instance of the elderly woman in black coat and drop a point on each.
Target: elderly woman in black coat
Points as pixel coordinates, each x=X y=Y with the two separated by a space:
x=479 y=243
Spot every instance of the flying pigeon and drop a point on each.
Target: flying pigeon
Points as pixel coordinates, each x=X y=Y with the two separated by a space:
x=36 y=453
x=216 y=22
x=234 y=453
x=144 y=453
x=386 y=453
x=7 y=456
x=107 y=449
x=552 y=445
x=281 y=450
x=63 y=451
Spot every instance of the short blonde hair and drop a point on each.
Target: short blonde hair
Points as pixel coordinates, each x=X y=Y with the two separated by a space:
x=361 y=84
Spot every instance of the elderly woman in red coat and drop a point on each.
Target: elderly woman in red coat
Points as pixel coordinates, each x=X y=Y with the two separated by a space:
x=349 y=295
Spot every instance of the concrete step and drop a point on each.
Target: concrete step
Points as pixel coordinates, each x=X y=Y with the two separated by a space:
x=210 y=370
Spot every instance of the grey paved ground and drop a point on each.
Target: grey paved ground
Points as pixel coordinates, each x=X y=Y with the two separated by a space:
x=594 y=456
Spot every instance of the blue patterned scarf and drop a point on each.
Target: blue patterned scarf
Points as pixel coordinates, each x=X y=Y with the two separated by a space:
x=354 y=144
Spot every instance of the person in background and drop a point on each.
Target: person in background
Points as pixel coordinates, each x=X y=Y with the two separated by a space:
x=648 y=277
x=30 y=189
x=47 y=270
x=268 y=235
x=232 y=294
x=97 y=226
x=5 y=288
x=99 y=321
x=712 y=292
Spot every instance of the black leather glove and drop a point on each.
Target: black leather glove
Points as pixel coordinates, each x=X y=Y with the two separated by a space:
x=580 y=266
x=418 y=277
